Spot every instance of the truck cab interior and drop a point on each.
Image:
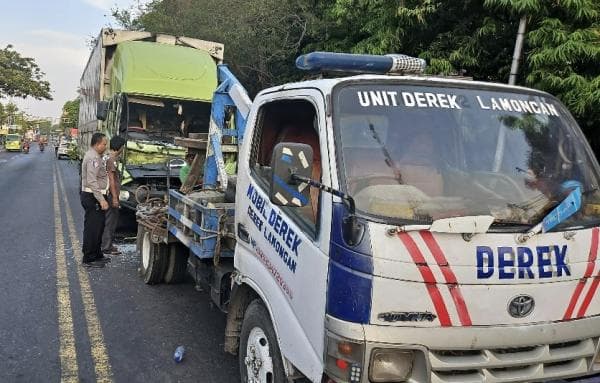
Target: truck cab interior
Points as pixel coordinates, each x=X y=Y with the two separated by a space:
x=163 y=119
x=287 y=121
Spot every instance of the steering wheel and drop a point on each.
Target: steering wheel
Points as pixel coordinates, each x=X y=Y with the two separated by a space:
x=356 y=184
x=504 y=179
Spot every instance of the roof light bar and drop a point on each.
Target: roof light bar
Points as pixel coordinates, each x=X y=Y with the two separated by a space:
x=345 y=62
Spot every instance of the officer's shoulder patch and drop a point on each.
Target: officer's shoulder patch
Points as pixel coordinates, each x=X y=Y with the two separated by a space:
x=95 y=163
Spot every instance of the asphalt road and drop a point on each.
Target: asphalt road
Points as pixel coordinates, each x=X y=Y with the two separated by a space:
x=60 y=321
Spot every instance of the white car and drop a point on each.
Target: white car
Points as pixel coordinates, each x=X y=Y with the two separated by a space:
x=63 y=149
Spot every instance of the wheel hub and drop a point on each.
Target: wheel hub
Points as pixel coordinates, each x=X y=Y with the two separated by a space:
x=258 y=361
x=146 y=250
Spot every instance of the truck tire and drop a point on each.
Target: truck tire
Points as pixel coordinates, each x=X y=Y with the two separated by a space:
x=259 y=355
x=153 y=258
x=176 y=264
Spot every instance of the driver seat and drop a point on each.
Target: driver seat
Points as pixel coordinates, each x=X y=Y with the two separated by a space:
x=304 y=135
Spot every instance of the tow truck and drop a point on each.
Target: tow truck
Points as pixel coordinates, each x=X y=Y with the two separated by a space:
x=387 y=226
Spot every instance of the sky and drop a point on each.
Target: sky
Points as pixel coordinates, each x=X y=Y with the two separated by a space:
x=55 y=33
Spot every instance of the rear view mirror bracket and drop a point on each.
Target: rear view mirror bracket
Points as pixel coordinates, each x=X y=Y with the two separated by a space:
x=351 y=228
x=291 y=180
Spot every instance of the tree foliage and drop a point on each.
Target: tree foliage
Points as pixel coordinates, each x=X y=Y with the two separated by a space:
x=7 y=113
x=70 y=114
x=471 y=37
x=562 y=54
x=10 y=114
x=21 y=76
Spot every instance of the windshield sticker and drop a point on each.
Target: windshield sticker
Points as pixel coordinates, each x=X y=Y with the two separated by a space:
x=408 y=99
x=451 y=101
x=514 y=105
x=276 y=230
x=522 y=262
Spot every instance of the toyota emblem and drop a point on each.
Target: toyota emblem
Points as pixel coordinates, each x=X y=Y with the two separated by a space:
x=521 y=306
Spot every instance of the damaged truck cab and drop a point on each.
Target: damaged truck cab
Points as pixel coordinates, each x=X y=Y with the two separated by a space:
x=394 y=228
x=150 y=89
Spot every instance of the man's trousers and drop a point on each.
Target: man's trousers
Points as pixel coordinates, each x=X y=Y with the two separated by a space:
x=93 y=227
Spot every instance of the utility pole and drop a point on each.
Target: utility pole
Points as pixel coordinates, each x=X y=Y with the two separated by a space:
x=514 y=68
x=512 y=80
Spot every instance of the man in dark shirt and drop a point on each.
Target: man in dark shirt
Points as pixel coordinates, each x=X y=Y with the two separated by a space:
x=114 y=181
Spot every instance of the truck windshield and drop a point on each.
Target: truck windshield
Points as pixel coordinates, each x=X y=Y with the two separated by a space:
x=421 y=153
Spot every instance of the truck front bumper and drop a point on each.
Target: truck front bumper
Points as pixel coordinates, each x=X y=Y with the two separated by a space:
x=524 y=353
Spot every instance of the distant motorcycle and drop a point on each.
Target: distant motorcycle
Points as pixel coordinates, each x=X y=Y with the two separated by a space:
x=26 y=148
x=42 y=147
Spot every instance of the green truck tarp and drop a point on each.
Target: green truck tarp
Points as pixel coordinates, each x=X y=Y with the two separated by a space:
x=162 y=70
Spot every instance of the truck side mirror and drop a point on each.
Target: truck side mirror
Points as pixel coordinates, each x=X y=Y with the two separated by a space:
x=102 y=110
x=289 y=159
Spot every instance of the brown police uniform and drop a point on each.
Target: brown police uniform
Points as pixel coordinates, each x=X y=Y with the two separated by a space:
x=112 y=214
x=94 y=186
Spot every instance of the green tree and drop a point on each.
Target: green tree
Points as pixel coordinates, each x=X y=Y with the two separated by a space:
x=21 y=76
x=129 y=18
x=562 y=54
x=8 y=113
x=44 y=125
x=70 y=114
x=454 y=37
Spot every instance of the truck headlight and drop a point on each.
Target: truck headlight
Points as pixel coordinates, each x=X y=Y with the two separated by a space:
x=344 y=359
x=390 y=365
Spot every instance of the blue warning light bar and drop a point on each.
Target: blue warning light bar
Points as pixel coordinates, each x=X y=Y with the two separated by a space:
x=355 y=63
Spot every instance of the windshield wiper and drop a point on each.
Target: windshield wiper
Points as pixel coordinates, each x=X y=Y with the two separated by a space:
x=388 y=158
x=559 y=214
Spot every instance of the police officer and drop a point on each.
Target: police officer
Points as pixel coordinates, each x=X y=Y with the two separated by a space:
x=94 y=186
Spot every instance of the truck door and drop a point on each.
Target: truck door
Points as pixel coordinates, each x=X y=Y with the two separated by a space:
x=283 y=251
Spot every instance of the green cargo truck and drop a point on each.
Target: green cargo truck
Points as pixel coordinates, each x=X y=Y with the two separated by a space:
x=150 y=89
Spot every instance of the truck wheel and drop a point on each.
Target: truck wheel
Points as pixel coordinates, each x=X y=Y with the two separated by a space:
x=153 y=259
x=259 y=356
x=176 y=263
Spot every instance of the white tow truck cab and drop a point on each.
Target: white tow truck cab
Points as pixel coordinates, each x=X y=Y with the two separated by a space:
x=401 y=228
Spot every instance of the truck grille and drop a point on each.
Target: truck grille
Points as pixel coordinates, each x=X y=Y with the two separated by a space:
x=515 y=364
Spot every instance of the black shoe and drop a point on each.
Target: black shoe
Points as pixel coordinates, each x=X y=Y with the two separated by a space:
x=103 y=259
x=93 y=264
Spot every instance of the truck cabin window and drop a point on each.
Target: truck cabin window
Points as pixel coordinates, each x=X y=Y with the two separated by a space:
x=287 y=121
x=163 y=120
x=420 y=153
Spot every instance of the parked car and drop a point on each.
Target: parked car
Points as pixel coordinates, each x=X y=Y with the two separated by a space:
x=64 y=146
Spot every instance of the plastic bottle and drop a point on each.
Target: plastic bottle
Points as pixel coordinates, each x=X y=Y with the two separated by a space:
x=178 y=356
